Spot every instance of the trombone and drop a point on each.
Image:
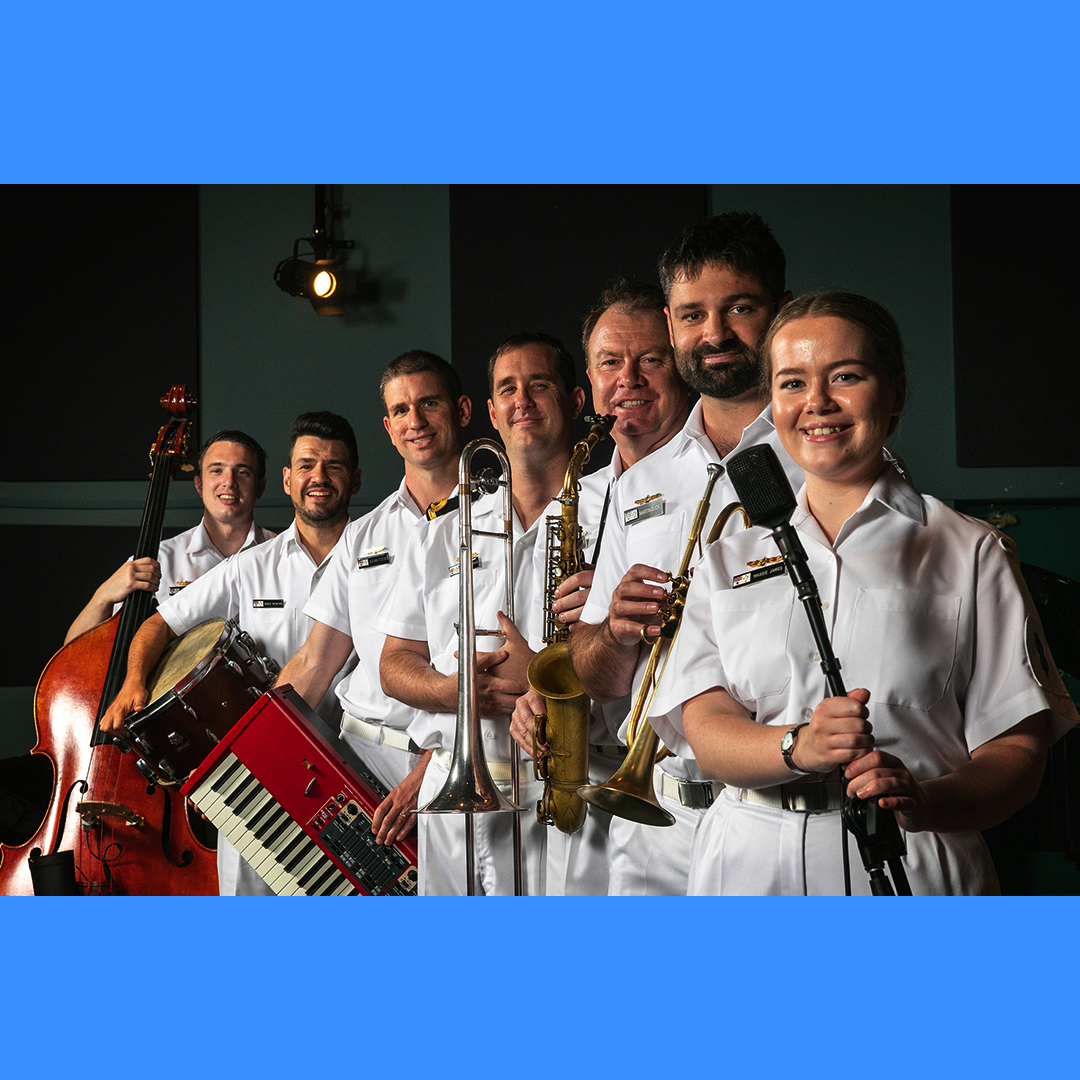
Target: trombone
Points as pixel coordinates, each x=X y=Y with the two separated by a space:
x=629 y=793
x=469 y=789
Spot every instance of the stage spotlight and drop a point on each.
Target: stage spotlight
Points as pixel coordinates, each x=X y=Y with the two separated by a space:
x=318 y=278
x=310 y=280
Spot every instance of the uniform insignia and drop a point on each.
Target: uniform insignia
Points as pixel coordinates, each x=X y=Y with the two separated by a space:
x=174 y=589
x=374 y=557
x=475 y=565
x=643 y=509
x=765 y=562
x=267 y=603
x=447 y=506
x=440 y=507
x=760 y=574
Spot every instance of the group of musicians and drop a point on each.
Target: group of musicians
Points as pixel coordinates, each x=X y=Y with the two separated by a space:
x=953 y=697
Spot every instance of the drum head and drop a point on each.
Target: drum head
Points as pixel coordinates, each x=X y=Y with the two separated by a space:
x=185 y=654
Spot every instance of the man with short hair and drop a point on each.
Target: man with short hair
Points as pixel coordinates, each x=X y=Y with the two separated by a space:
x=230 y=476
x=263 y=588
x=631 y=370
x=724 y=281
x=533 y=401
x=426 y=413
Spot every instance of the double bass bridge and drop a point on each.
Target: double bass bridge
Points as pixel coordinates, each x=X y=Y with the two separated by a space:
x=92 y=813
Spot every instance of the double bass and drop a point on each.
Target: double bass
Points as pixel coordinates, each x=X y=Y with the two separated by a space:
x=108 y=829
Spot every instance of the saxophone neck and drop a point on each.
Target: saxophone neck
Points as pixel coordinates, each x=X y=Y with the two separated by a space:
x=579 y=456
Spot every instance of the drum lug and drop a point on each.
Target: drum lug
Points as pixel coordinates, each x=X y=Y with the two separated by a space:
x=235 y=668
x=147 y=770
x=163 y=764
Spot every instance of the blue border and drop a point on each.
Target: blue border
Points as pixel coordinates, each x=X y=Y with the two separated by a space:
x=627 y=92
x=944 y=987
x=696 y=92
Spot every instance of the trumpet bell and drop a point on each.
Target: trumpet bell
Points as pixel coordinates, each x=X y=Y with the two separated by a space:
x=629 y=793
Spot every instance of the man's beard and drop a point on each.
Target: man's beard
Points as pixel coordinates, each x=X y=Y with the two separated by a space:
x=321 y=513
x=741 y=373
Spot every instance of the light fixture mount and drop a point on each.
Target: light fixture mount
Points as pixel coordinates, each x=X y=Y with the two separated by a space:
x=318 y=277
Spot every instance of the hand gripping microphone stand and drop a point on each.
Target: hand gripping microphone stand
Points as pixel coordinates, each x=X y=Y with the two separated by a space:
x=766 y=495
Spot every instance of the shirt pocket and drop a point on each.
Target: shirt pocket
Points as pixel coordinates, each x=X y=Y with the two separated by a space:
x=657 y=542
x=752 y=629
x=269 y=626
x=902 y=645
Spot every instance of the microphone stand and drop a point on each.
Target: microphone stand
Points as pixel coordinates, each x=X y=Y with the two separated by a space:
x=875 y=830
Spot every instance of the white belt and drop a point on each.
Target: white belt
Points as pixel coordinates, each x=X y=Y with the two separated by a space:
x=379 y=734
x=696 y=794
x=801 y=796
x=500 y=770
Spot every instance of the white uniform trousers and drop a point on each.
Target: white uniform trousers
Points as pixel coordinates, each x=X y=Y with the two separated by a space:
x=577 y=865
x=651 y=860
x=441 y=844
x=235 y=876
x=745 y=849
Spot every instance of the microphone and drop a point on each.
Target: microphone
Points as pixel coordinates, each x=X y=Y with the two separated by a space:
x=763 y=488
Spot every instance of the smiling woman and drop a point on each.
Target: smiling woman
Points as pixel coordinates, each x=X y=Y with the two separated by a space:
x=838 y=388
x=949 y=726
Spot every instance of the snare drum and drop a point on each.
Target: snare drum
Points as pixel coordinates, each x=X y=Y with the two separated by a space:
x=204 y=682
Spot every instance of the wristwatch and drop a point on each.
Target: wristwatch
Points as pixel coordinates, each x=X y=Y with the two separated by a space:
x=787 y=745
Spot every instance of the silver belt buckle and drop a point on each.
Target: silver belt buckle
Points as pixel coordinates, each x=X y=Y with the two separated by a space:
x=696 y=794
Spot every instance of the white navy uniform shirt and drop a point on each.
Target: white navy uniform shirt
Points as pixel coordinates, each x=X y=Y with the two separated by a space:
x=190 y=554
x=926 y=609
x=264 y=588
x=368 y=561
x=652 y=508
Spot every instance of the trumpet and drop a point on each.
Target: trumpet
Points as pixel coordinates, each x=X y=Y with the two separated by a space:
x=629 y=793
x=564 y=727
x=469 y=789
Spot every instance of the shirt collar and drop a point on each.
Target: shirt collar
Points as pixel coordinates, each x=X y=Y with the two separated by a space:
x=892 y=490
x=405 y=501
x=200 y=539
x=693 y=431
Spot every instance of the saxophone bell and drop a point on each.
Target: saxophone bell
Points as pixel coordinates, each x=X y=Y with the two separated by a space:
x=561 y=734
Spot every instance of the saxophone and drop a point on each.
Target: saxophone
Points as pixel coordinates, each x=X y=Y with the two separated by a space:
x=564 y=728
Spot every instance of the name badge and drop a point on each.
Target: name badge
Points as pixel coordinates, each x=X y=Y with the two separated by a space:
x=267 y=603
x=739 y=580
x=475 y=565
x=643 y=509
x=382 y=557
x=174 y=589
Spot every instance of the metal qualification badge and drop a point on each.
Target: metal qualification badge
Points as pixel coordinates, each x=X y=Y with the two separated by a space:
x=760 y=569
x=643 y=509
